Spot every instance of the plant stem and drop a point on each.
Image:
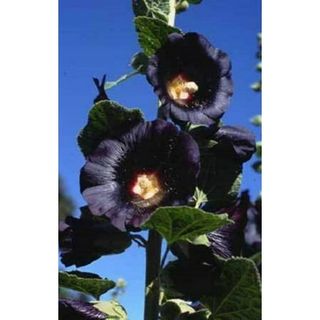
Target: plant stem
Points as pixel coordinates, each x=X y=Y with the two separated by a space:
x=152 y=294
x=172 y=13
x=153 y=248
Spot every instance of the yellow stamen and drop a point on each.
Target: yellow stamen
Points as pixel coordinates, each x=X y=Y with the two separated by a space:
x=181 y=90
x=146 y=186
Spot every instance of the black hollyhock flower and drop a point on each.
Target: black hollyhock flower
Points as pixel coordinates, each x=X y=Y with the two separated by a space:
x=224 y=242
x=228 y=240
x=235 y=142
x=84 y=240
x=192 y=79
x=253 y=229
x=79 y=310
x=152 y=165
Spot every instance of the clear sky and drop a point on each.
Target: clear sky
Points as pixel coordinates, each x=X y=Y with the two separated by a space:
x=97 y=37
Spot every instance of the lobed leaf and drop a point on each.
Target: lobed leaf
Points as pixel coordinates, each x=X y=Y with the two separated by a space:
x=107 y=119
x=139 y=62
x=152 y=33
x=159 y=9
x=237 y=291
x=173 y=308
x=184 y=223
x=112 y=308
x=85 y=282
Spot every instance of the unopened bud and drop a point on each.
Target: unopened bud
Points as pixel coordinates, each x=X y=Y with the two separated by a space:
x=182 y=6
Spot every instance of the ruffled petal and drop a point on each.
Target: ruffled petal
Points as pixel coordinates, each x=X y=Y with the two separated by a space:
x=156 y=148
x=236 y=141
x=192 y=56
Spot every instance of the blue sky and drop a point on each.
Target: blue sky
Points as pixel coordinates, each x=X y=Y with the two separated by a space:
x=98 y=37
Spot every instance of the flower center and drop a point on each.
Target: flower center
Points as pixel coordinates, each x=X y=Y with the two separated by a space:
x=146 y=186
x=181 y=90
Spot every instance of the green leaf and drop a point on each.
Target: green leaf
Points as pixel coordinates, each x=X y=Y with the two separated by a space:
x=85 y=282
x=152 y=33
x=159 y=9
x=184 y=223
x=107 y=119
x=259 y=149
x=256 y=86
x=259 y=66
x=256 y=258
x=113 y=309
x=199 y=197
x=139 y=62
x=257 y=166
x=256 y=120
x=173 y=308
x=237 y=291
x=200 y=241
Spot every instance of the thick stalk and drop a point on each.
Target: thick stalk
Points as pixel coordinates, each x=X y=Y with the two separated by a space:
x=172 y=13
x=152 y=294
x=153 y=248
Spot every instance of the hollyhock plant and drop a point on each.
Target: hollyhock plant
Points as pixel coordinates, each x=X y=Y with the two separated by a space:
x=173 y=183
x=192 y=79
x=152 y=165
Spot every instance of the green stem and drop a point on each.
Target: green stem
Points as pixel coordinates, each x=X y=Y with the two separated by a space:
x=123 y=78
x=153 y=257
x=172 y=14
x=153 y=248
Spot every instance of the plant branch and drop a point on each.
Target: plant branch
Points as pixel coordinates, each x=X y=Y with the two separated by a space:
x=172 y=13
x=153 y=248
x=152 y=294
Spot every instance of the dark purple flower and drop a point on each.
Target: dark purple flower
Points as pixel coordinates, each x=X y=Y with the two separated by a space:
x=224 y=242
x=236 y=142
x=192 y=79
x=152 y=165
x=79 y=310
x=84 y=240
x=253 y=229
x=231 y=142
x=228 y=240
